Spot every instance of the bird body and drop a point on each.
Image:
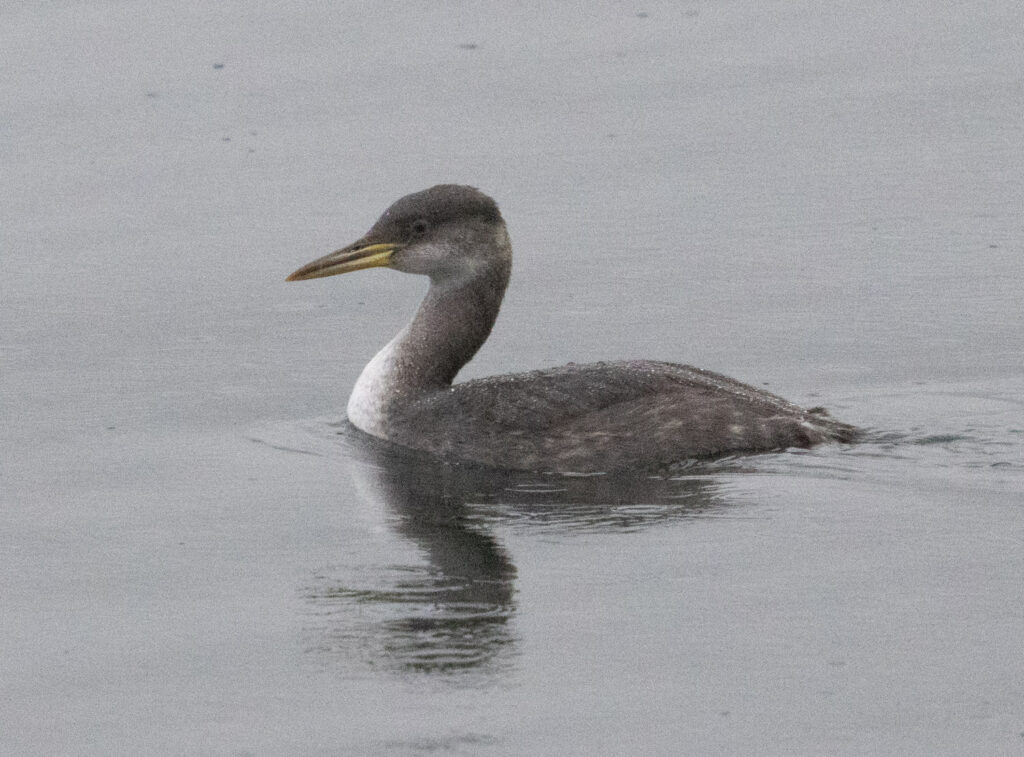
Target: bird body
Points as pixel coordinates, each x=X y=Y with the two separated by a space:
x=632 y=415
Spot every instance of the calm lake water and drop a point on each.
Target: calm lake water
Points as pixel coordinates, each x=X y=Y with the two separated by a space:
x=198 y=556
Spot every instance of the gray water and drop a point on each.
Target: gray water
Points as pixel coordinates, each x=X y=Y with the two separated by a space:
x=198 y=556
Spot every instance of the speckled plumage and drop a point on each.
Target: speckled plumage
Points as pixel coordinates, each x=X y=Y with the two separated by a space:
x=634 y=415
x=607 y=416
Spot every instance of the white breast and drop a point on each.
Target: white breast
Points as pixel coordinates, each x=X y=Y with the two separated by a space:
x=366 y=403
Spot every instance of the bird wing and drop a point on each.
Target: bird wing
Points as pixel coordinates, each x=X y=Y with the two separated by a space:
x=603 y=416
x=569 y=394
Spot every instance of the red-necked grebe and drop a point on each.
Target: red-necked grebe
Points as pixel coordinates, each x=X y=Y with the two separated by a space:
x=577 y=418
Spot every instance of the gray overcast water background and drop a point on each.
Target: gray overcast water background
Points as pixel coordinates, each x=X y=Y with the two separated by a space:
x=198 y=557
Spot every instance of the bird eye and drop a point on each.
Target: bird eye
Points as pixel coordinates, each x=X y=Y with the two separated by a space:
x=420 y=226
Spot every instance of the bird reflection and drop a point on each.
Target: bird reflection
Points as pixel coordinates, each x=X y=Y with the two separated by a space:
x=453 y=614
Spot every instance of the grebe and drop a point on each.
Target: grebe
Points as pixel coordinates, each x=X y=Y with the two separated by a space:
x=613 y=416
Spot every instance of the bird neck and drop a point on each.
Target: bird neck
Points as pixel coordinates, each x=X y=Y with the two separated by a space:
x=453 y=321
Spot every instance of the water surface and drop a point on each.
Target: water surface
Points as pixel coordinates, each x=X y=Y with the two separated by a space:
x=199 y=558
